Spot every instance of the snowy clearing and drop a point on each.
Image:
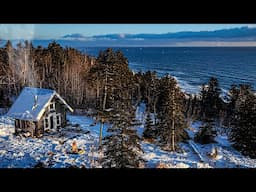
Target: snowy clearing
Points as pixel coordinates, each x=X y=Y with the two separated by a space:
x=53 y=150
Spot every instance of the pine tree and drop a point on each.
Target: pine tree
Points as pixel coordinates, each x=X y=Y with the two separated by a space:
x=211 y=104
x=123 y=149
x=192 y=106
x=170 y=114
x=233 y=96
x=1 y=99
x=111 y=77
x=206 y=134
x=243 y=132
x=57 y=62
x=122 y=145
x=149 y=129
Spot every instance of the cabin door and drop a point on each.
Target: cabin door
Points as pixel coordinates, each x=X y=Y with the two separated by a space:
x=51 y=122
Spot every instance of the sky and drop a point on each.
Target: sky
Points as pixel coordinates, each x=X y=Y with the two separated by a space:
x=56 y=31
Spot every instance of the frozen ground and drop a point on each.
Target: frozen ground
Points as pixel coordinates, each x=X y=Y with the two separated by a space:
x=53 y=149
x=195 y=155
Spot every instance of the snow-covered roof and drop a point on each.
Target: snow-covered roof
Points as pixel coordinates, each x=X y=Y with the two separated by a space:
x=32 y=102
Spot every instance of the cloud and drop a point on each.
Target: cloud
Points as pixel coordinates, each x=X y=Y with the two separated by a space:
x=17 y=31
x=251 y=26
x=74 y=35
x=77 y=36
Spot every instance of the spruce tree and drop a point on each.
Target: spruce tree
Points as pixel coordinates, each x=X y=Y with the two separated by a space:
x=233 y=96
x=206 y=133
x=123 y=149
x=171 y=119
x=149 y=128
x=211 y=104
x=1 y=99
x=243 y=132
x=113 y=81
x=112 y=77
x=148 y=84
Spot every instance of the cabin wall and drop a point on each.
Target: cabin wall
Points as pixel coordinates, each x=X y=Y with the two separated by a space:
x=38 y=128
x=60 y=108
x=17 y=126
x=30 y=127
x=22 y=126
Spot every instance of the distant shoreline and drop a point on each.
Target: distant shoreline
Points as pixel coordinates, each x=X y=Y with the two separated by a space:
x=182 y=44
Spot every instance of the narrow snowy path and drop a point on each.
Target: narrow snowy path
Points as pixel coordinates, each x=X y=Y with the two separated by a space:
x=195 y=149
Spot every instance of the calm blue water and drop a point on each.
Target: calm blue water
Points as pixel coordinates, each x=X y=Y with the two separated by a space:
x=194 y=66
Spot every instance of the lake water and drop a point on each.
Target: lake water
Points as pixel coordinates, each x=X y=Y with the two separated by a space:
x=194 y=66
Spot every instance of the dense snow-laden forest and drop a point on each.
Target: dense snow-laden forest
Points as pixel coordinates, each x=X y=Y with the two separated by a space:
x=145 y=120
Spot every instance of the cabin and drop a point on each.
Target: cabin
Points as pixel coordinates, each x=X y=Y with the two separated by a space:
x=38 y=110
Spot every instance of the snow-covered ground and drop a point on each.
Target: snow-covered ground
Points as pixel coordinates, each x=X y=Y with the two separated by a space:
x=193 y=155
x=199 y=157
x=227 y=156
x=53 y=150
x=141 y=116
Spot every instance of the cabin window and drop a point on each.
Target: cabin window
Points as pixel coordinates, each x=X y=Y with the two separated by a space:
x=52 y=106
x=58 y=119
x=18 y=123
x=46 y=123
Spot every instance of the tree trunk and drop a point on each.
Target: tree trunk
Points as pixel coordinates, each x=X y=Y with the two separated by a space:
x=155 y=111
x=100 y=138
x=173 y=133
x=97 y=90
x=173 y=119
x=105 y=94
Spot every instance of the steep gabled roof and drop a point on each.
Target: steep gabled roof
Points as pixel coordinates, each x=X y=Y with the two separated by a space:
x=32 y=102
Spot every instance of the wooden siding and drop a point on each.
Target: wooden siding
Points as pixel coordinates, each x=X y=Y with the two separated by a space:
x=37 y=128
